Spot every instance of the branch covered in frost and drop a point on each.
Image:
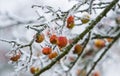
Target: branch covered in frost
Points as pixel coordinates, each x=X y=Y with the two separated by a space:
x=20 y=46
x=79 y=55
x=103 y=54
x=10 y=42
x=91 y=26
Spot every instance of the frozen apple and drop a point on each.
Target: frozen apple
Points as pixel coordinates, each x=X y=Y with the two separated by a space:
x=81 y=72
x=46 y=50
x=99 y=43
x=15 y=57
x=53 y=39
x=39 y=38
x=85 y=17
x=77 y=49
x=34 y=70
x=96 y=73
x=62 y=41
x=109 y=39
x=53 y=55
x=70 y=22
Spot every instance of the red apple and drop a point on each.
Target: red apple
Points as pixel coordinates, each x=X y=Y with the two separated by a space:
x=52 y=55
x=62 y=41
x=70 y=22
x=96 y=73
x=53 y=39
x=15 y=57
x=46 y=50
x=34 y=70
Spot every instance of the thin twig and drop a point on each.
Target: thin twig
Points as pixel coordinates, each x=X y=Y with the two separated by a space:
x=101 y=3
x=102 y=37
x=90 y=6
x=14 y=42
